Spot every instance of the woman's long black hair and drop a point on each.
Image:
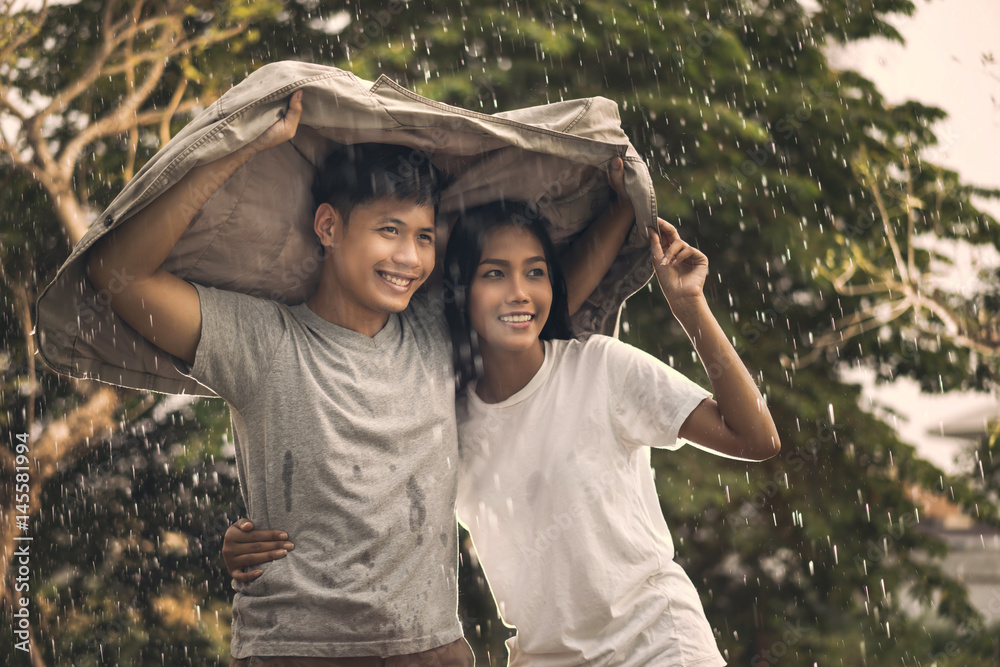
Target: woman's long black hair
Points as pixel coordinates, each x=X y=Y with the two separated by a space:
x=461 y=260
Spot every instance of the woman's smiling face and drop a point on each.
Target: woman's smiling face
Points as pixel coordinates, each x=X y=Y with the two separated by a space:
x=510 y=296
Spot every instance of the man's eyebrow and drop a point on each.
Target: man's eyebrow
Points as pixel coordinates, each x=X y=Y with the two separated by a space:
x=504 y=262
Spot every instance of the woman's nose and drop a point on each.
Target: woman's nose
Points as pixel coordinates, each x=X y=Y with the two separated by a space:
x=517 y=292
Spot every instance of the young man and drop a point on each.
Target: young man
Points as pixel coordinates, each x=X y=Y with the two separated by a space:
x=342 y=407
x=342 y=411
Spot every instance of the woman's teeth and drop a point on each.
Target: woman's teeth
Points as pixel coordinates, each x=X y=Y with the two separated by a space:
x=516 y=318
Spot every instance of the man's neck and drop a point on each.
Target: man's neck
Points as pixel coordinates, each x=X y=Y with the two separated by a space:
x=327 y=304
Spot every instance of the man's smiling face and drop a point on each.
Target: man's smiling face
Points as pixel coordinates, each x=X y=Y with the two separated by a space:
x=381 y=256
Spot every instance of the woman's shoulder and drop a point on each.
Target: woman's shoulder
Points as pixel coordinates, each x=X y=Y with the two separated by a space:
x=594 y=349
x=596 y=345
x=607 y=352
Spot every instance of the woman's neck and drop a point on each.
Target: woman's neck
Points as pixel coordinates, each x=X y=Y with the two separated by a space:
x=505 y=372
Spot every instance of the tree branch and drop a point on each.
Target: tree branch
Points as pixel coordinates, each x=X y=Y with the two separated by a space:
x=890 y=235
x=63 y=439
x=181 y=47
x=7 y=104
x=123 y=118
x=116 y=122
x=856 y=324
x=19 y=40
x=910 y=217
x=160 y=116
x=62 y=98
x=172 y=108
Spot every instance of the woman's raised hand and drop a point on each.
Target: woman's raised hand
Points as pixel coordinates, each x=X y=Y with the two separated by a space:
x=681 y=269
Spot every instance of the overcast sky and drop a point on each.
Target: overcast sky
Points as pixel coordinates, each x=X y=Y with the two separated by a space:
x=951 y=60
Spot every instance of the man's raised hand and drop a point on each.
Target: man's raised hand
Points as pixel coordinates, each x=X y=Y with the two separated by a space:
x=285 y=128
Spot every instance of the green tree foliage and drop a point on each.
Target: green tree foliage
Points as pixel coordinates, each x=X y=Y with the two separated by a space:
x=764 y=156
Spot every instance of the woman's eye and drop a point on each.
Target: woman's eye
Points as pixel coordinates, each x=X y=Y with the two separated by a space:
x=537 y=273
x=493 y=273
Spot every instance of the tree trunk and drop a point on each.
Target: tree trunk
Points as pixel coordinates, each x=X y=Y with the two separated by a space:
x=71 y=214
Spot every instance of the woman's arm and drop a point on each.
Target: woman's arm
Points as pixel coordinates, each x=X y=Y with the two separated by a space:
x=737 y=423
x=586 y=262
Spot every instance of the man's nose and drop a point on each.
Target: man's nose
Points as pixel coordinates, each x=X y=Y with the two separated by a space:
x=406 y=252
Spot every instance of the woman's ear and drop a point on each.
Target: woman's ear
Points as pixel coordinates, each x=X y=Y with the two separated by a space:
x=326 y=223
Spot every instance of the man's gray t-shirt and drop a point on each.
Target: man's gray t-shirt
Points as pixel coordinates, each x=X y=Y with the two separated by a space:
x=349 y=444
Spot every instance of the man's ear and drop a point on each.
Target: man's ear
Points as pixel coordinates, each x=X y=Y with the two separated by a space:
x=327 y=223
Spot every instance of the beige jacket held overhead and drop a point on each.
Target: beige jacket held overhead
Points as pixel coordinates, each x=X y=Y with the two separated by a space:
x=255 y=234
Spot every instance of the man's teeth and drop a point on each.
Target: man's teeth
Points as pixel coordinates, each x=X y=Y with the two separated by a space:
x=516 y=318
x=402 y=282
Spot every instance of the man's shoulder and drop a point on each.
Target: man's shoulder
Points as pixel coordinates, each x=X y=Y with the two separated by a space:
x=226 y=313
x=218 y=298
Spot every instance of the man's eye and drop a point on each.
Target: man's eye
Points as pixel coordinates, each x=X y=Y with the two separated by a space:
x=427 y=237
x=390 y=230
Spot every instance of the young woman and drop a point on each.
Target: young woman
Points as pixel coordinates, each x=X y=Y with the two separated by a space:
x=554 y=479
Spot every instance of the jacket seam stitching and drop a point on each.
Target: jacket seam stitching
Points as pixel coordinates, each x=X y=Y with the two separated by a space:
x=573 y=123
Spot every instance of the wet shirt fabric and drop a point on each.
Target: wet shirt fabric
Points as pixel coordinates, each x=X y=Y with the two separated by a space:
x=349 y=444
x=557 y=492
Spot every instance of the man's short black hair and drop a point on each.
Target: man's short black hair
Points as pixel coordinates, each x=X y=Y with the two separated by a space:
x=360 y=173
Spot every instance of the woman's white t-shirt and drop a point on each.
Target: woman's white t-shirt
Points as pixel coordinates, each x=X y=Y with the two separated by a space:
x=556 y=490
